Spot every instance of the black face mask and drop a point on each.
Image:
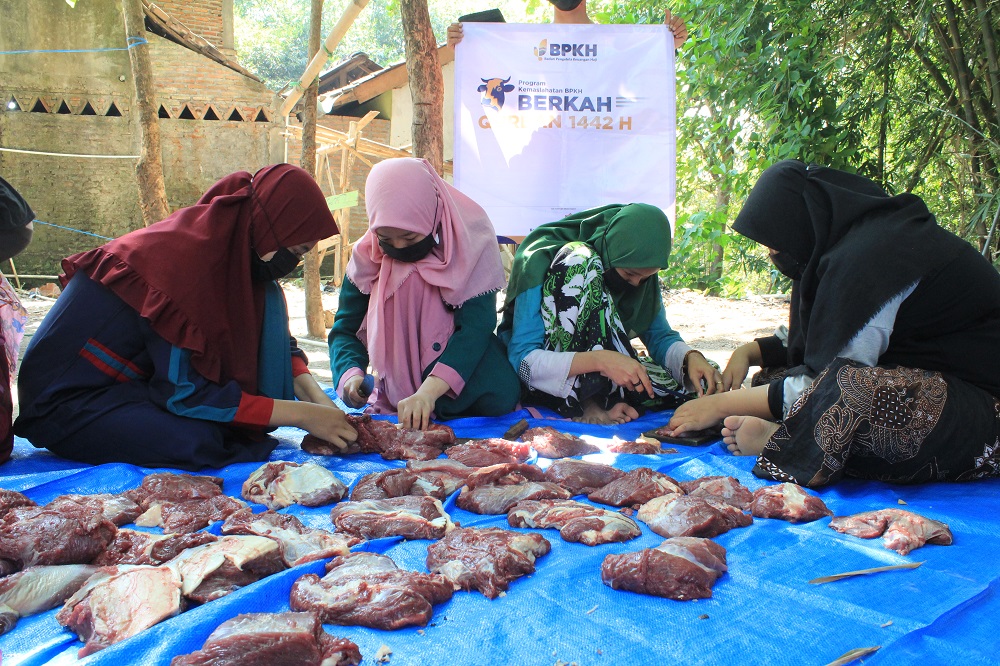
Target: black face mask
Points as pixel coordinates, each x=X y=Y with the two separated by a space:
x=281 y=264
x=788 y=265
x=615 y=283
x=409 y=254
x=566 y=5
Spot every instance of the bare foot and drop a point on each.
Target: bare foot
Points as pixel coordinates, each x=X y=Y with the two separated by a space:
x=747 y=435
x=619 y=413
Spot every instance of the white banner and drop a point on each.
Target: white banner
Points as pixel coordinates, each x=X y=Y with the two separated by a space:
x=554 y=119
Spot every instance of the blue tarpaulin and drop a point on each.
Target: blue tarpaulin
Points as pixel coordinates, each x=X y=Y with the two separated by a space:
x=762 y=611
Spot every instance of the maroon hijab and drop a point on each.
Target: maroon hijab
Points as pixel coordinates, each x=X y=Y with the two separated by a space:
x=189 y=274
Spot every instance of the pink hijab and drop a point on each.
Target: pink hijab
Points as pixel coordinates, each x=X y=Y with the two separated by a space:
x=412 y=304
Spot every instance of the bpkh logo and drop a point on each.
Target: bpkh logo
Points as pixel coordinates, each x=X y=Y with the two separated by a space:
x=494 y=91
x=554 y=51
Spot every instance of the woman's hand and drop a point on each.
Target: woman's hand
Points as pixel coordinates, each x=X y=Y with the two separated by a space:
x=697 y=415
x=308 y=390
x=415 y=411
x=739 y=365
x=328 y=423
x=698 y=369
x=623 y=370
x=352 y=395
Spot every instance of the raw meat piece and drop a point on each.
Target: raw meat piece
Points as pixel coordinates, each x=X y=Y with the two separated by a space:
x=170 y=487
x=11 y=499
x=73 y=534
x=495 y=489
x=703 y=552
x=486 y=559
x=387 y=439
x=575 y=521
x=282 y=483
x=107 y=610
x=550 y=443
x=637 y=487
x=383 y=485
x=134 y=547
x=297 y=542
x=369 y=590
x=663 y=572
x=487 y=452
x=37 y=589
x=579 y=477
x=410 y=517
x=788 y=501
x=677 y=515
x=725 y=488
x=901 y=531
x=642 y=446
x=269 y=639
x=441 y=475
x=218 y=568
x=436 y=478
x=8 y=619
x=189 y=515
x=118 y=509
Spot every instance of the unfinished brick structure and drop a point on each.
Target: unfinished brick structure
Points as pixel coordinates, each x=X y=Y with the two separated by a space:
x=215 y=116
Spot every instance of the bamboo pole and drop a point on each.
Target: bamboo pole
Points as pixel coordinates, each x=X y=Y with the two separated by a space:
x=310 y=270
x=316 y=64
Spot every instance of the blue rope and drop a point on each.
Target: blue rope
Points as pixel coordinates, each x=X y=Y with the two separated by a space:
x=85 y=233
x=132 y=42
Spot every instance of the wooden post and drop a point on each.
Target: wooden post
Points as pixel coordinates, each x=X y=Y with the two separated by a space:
x=149 y=170
x=426 y=83
x=311 y=283
x=318 y=60
x=346 y=162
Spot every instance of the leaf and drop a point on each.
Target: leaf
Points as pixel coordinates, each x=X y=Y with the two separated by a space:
x=854 y=655
x=863 y=572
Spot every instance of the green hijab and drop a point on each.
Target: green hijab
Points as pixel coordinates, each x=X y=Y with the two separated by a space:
x=625 y=236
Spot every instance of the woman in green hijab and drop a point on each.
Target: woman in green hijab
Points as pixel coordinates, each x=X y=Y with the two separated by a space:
x=580 y=289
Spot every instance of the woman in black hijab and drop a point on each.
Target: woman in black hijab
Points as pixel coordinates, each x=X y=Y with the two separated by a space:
x=890 y=368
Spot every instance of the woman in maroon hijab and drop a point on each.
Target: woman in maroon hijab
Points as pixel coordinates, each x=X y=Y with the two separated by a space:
x=170 y=345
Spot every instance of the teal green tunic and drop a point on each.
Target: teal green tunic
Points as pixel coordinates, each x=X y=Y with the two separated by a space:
x=473 y=351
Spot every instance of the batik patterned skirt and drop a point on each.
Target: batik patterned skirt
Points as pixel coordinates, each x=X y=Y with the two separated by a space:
x=902 y=425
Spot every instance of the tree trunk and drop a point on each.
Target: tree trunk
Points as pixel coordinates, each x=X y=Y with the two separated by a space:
x=149 y=170
x=426 y=83
x=313 y=289
x=722 y=197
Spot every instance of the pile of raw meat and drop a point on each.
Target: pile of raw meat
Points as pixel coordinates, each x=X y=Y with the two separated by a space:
x=75 y=553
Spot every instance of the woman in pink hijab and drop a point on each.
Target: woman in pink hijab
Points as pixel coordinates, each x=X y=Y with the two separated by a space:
x=419 y=303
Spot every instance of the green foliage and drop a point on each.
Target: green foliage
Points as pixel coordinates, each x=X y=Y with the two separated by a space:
x=908 y=95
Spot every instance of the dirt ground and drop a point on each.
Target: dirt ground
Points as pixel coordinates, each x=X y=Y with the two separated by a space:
x=715 y=326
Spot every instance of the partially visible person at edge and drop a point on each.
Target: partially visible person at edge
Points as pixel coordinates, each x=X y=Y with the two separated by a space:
x=170 y=345
x=580 y=289
x=889 y=369
x=575 y=12
x=16 y=220
x=419 y=303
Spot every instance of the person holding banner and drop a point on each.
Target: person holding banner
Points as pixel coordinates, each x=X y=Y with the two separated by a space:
x=889 y=368
x=419 y=303
x=170 y=347
x=580 y=289
x=574 y=12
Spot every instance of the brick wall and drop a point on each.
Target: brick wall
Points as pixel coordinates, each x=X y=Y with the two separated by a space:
x=202 y=16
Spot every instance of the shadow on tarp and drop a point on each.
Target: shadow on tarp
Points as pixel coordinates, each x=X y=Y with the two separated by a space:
x=763 y=611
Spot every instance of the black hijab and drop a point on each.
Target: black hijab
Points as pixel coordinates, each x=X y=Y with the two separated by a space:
x=858 y=248
x=15 y=214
